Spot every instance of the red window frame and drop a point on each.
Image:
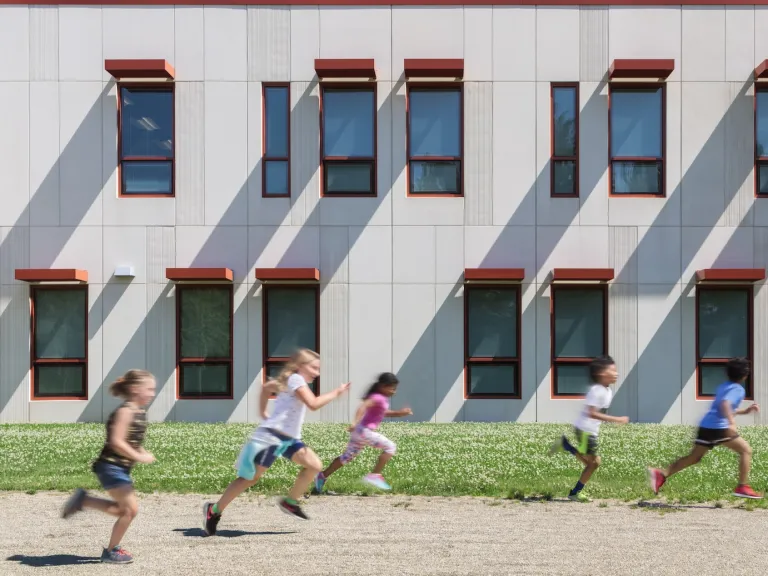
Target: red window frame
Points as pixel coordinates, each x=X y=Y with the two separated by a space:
x=36 y=362
x=225 y=361
x=760 y=160
x=265 y=158
x=469 y=361
x=748 y=385
x=325 y=161
x=554 y=159
x=434 y=87
x=145 y=87
x=556 y=361
x=270 y=361
x=660 y=161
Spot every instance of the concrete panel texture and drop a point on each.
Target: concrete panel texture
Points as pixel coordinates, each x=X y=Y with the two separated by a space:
x=391 y=294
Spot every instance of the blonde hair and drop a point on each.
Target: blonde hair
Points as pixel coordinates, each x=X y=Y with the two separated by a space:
x=298 y=359
x=122 y=386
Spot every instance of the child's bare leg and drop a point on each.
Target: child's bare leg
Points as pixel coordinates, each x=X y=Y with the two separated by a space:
x=311 y=465
x=333 y=467
x=237 y=487
x=744 y=450
x=102 y=505
x=125 y=498
x=694 y=457
x=384 y=457
x=591 y=464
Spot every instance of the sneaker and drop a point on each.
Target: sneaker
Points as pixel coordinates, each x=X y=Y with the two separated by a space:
x=319 y=483
x=74 y=504
x=556 y=447
x=118 y=555
x=210 y=519
x=656 y=479
x=578 y=497
x=292 y=509
x=377 y=480
x=745 y=491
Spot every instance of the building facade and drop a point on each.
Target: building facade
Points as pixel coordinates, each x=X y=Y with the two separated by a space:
x=478 y=198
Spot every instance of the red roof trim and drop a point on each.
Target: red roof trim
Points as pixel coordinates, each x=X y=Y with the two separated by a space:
x=434 y=68
x=122 y=69
x=198 y=274
x=357 y=3
x=761 y=72
x=284 y=274
x=583 y=274
x=51 y=275
x=638 y=68
x=345 y=68
x=730 y=275
x=494 y=274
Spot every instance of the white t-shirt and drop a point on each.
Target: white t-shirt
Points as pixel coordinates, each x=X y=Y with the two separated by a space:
x=598 y=396
x=289 y=411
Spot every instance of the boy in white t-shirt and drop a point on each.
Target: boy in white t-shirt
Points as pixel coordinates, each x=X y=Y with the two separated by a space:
x=603 y=373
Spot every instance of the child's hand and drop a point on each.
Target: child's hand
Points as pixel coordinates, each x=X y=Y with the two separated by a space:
x=753 y=408
x=342 y=389
x=623 y=420
x=407 y=411
x=351 y=428
x=146 y=458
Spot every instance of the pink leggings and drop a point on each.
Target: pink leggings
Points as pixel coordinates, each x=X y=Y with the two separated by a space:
x=362 y=437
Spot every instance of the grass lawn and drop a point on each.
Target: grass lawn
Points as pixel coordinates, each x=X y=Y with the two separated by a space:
x=500 y=460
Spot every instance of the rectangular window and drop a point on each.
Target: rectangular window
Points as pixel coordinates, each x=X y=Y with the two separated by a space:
x=492 y=341
x=291 y=321
x=723 y=331
x=564 y=168
x=435 y=140
x=579 y=335
x=146 y=140
x=636 y=125
x=275 y=161
x=761 y=140
x=60 y=342
x=204 y=341
x=348 y=136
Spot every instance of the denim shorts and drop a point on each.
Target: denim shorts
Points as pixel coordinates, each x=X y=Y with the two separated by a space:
x=112 y=476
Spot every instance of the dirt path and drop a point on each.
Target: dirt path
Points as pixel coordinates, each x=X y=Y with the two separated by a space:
x=389 y=536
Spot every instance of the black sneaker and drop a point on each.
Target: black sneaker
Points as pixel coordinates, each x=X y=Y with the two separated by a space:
x=74 y=504
x=118 y=555
x=210 y=519
x=292 y=509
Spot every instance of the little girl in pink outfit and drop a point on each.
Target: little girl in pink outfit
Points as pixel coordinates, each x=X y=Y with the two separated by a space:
x=372 y=411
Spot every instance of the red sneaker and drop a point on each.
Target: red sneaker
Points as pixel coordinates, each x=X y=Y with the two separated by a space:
x=745 y=491
x=656 y=479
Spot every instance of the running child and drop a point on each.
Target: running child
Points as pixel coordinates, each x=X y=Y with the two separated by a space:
x=279 y=435
x=603 y=373
x=126 y=430
x=718 y=428
x=373 y=409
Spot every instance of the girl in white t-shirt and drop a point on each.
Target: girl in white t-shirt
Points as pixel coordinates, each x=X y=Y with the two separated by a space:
x=279 y=435
x=603 y=373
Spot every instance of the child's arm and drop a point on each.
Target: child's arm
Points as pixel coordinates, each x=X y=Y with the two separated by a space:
x=748 y=410
x=361 y=410
x=119 y=440
x=398 y=413
x=269 y=388
x=316 y=402
x=597 y=415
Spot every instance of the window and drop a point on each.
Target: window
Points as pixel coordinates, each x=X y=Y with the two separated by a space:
x=564 y=168
x=579 y=335
x=60 y=342
x=761 y=140
x=723 y=331
x=204 y=341
x=636 y=126
x=276 y=148
x=348 y=134
x=435 y=141
x=492 y=341
x=146 y=140
x=291 y=321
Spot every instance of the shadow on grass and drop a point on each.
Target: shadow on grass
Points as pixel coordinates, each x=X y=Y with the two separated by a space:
x=198 y=533
x=52 y=560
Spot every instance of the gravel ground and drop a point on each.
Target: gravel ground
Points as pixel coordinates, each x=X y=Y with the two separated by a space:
x=389 y=536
